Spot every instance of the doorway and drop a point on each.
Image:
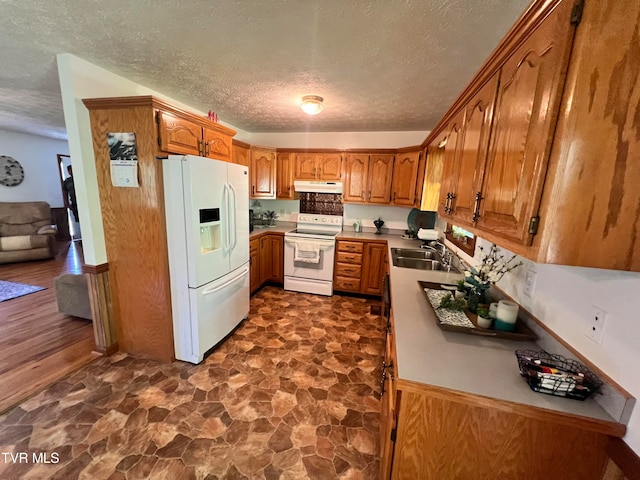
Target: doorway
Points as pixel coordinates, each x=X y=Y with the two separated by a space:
x=64 y=162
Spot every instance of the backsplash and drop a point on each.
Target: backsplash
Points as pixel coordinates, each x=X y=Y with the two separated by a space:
x=321 y=203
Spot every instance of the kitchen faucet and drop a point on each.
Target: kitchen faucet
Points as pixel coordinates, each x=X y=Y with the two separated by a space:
x=446 y=257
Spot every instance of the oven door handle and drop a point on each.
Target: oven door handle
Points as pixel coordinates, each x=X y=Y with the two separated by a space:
x=321 y=243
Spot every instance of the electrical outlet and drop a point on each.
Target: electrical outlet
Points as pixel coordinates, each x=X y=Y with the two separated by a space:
x=529 y=283
x=596 y=324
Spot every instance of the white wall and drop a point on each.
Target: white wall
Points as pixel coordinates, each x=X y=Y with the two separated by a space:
x=563 y=299
x=339 y=139
x=80 y=79
x=38 y=157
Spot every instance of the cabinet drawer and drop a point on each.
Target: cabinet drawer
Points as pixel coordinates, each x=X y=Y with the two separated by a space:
x=348 y=270
x=345 y=284
x=354 y=247
x=353 y=258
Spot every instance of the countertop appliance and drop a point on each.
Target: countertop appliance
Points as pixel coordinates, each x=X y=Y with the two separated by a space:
x=206 y=204
x=309 y=253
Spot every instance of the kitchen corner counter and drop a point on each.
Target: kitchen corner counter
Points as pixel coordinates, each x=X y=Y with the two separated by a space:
x=467 y=364
x=280 y=229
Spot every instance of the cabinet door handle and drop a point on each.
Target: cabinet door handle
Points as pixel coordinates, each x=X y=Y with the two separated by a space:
x=207 y=149
x=394 y=196
x=369 y=197
x=253 y=189
x=447 y=205
x=200 y=149
x=476 y=207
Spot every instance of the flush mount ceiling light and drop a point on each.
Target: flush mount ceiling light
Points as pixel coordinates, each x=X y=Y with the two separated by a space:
x=312 y=104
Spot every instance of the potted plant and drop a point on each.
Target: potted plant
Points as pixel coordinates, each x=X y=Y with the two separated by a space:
x=484 y=320
x=461 y=290
x=270 y=216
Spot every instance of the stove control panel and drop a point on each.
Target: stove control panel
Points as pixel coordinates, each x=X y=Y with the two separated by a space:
x=317 y=219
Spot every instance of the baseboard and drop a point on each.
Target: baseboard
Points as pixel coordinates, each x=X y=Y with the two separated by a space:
x=625 y=458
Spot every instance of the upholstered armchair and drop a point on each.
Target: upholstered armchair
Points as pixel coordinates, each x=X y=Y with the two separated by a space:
x=26 y=232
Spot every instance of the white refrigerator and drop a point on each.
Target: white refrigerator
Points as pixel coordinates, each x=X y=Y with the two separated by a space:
x=207 y=213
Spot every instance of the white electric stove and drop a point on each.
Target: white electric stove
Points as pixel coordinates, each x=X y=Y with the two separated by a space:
x=309 y=253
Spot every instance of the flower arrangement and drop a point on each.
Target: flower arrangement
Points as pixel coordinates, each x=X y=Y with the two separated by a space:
x=491 y=270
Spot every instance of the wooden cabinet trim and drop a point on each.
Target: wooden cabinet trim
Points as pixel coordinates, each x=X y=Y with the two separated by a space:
x=585 y=423
x=148 y=100
x=528 y=22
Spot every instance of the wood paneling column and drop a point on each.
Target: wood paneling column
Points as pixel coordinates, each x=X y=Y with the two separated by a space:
x=104 y=331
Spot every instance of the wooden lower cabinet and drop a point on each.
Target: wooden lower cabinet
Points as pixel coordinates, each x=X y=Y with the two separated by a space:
x=267 y=260
x=254 y=263
x=360 y=266
x=445 y=434
x=373 y=268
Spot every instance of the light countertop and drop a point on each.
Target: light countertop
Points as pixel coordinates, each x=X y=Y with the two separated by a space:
x=457 y=361
x=280 y=228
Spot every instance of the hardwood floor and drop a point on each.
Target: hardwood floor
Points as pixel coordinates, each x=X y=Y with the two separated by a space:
x=39 y=345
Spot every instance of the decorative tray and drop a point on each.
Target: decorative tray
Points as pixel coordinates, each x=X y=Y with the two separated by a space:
x=466 y=322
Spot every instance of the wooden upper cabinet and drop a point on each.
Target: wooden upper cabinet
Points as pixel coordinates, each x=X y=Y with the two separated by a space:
x=380 y=177
x=449 y=146
x=432 y=177
x=318 y=166
x=189 y=135
x=216 y=145
x=284 y=176
x=329 y=166
x=241 y=155
x=422 y=166
x=367 y=178
x=405 y=173
x=527 y=105
x=466 y=181
x=263 y=173
x=178 y=135
x=306 y=167
x=356 y=173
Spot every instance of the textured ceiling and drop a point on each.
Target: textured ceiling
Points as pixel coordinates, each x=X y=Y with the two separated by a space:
x=381 y=65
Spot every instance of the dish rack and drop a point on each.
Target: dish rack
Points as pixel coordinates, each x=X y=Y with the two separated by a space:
x=556 y=375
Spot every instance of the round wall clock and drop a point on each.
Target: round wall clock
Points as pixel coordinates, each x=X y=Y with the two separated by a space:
x=11 y=172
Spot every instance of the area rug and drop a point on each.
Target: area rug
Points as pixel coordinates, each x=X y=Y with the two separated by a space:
x=9 y=290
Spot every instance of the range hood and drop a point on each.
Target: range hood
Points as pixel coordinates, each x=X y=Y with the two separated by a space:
x=317 y=186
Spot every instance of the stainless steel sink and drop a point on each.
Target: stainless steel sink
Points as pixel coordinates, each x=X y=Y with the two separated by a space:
x=418 y=259
x=413 y=253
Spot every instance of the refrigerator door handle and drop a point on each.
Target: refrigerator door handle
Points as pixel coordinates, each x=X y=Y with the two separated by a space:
x=241 y=275
x=234 y=205
x=225 y=205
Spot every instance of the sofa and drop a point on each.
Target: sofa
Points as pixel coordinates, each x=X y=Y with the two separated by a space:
x=26 y=232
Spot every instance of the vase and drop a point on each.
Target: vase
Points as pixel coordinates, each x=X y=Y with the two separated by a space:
x=478 y=294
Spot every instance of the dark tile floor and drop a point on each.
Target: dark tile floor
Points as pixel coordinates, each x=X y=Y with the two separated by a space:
x=291 y=395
